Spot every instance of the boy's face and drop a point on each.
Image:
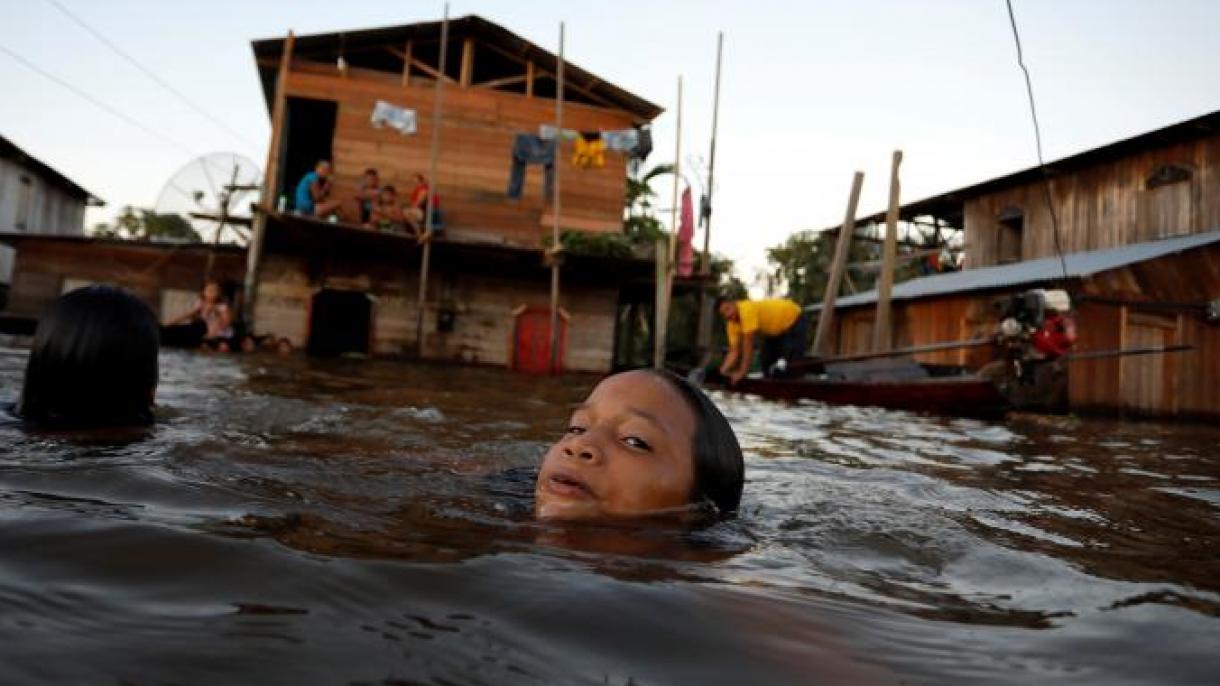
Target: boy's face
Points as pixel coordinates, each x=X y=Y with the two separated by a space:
x=628 y=452
x=211 y=292
x=728 y=310
x=387 y=197
x=323 y=169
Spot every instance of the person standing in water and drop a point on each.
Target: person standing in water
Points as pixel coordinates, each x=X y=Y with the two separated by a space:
x=779 y=322
x=93 y=363
x=214 y=313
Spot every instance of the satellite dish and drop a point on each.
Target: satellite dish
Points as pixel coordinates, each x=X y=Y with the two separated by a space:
x=214 y=193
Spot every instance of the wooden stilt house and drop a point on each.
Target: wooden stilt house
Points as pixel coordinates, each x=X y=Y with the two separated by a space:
x=1138 y=224
x=337 y=287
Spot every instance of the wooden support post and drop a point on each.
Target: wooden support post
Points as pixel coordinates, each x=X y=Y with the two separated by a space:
x=529 y=79
x=827 y=315
x=882 y=327
x=254 y=251
x=467 y=71
x=406 y=64
x=425 y=259
x=703 y=339
x=665 y=285
x=556 y=245
x=660 y=310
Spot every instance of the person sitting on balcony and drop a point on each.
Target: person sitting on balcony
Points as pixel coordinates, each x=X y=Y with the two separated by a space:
x=417 y=207
x=366 y=194
x=387 y=213
x=313 y=194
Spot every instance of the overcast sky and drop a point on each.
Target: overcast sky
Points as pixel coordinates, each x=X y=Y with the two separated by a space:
x=812 y=90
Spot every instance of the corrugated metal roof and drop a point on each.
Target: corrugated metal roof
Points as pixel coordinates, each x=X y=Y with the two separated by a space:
x=1042 y=270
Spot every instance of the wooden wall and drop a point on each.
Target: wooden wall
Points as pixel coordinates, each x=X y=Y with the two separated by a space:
x=45 y=268
x=1104 y=206
x=1153 y=303
x=484 y=304
x=476 y=136
x=920 y=322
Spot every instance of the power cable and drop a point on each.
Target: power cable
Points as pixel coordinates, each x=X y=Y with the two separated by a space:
x=150 y=74
x=1033 y=111
x=97 y=103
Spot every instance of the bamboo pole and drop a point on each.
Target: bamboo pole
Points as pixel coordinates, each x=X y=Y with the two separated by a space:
x=406 y=63
x=827 y=315
x=665 y=286
x=254 y=252
x=425 y=259
x=704 y=338
x=555 y=243
x=882 y=328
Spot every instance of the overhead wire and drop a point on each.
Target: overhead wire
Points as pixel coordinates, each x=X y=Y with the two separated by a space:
x=1033 y=111
x=96 y=102
x=199 y=109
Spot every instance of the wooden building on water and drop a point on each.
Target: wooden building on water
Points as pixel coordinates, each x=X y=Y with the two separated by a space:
x=334 y=287
x=1139 y=223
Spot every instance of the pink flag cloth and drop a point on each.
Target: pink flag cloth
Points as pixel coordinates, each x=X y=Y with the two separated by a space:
x=686 y=236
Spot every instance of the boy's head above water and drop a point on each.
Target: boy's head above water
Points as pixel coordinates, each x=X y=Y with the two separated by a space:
x=643 y=443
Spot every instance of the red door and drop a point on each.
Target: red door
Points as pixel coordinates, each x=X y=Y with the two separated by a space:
x=532 y=341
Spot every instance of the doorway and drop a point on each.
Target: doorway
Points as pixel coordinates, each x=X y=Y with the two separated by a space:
x=309 y=136
x=340 y=322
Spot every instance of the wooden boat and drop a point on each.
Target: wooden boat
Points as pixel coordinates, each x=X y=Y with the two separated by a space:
x=966 y=395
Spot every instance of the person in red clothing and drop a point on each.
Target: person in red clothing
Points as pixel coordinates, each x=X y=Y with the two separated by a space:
x=418 y=205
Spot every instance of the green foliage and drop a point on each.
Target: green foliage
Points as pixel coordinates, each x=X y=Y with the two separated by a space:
x=640 y=223
x=144 y=225
x=593 y=244
x=800 y=266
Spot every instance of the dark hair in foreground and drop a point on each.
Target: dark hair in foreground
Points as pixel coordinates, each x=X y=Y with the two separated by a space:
x=719 y=467
x=94 y=361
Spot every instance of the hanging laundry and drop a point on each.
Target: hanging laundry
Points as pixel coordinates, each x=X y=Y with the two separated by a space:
x=400 y=118
x=686 y=236
x=528 y=149
x=622 y=140
x=547 y=132
x=644 y=148
x=590 y=151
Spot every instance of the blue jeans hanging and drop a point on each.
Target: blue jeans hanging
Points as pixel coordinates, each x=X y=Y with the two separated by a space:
x=528 y=149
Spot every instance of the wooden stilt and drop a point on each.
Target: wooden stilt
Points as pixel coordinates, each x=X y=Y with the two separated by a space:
x=827 y=315
x=704 y=337
x=254 y=251
x=882 y=327
x=556 y=246
x=426 y=256
x=665 y=285
x=406 y=64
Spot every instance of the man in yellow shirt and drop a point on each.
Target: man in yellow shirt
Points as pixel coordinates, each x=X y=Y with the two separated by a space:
x=779 y=322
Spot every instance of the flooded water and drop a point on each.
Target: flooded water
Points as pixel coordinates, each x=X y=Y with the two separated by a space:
x=294 y=521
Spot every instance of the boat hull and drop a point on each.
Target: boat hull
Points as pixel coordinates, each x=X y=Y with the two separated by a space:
x=958 y=396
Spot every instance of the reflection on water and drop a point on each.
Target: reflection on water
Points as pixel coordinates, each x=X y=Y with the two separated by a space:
x=370 y=522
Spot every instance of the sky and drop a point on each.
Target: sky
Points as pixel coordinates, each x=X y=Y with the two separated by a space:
x=812 y=91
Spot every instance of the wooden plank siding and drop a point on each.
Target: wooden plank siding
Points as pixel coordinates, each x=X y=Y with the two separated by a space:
x=44 y=267
x=1103 y=206
x=1153 y=303
x=484 y=303
x=477 y=129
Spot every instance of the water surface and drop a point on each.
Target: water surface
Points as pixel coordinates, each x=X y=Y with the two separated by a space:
x=301 y=521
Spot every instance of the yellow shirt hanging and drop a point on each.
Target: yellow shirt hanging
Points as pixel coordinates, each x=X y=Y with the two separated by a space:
x=589 y=153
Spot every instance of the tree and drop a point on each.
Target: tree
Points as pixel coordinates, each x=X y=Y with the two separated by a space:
x=640 y=224
x=145 y=225
x=800 y=266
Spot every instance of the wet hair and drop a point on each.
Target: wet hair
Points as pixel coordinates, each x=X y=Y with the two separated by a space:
x=370 y=171
x=388 y=188
x=719 y=466
x=94 y=361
